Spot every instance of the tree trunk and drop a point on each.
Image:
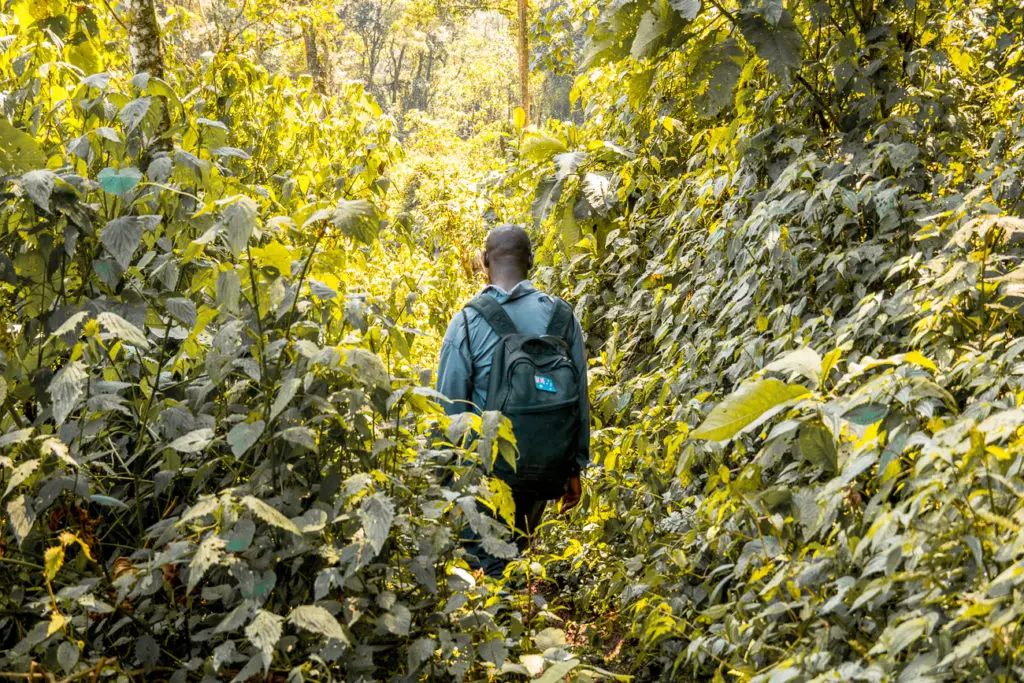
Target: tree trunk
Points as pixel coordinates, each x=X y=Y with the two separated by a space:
x=524 y=61
x=315 y=60
x=146 y=50
x=144 y=38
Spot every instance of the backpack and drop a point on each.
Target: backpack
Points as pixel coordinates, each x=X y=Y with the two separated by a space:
x=536 y=385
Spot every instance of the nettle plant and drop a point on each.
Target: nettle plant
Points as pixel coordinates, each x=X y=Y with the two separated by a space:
x=207 y=470
x=792 y=231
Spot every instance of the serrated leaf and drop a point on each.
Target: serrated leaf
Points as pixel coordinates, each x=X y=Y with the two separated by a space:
x=318 y=620
x=66 y=389
x=397 y=620
x=184 y=311
x=269 y=514
x=243 y=435
x=377 y=512
x=355 y=218
x=67 y=656
x=745 y=407
x=22 y=517
x=69 y=325
x=208 y=553
x=241 y=536
x=420 y=651
x=194 y=441
x=265 y=631
x=38 y=185
x=53 y=560
x=650 y=34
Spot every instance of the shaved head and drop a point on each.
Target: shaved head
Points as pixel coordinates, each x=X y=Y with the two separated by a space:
x=508 y=248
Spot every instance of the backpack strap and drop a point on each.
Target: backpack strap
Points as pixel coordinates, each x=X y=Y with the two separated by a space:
x=487 y=306
x=561 y=320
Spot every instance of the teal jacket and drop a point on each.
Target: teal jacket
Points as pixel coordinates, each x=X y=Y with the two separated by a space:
x=531 y=310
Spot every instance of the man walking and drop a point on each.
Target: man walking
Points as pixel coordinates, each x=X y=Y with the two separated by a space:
x=520 y=351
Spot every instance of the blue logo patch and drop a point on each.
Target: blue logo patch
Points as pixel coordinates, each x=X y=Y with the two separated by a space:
x=544 y=384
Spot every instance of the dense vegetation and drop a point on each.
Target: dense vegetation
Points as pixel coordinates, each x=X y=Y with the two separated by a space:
x=793 y=233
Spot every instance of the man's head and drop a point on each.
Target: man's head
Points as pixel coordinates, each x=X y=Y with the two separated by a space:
x=508 y=254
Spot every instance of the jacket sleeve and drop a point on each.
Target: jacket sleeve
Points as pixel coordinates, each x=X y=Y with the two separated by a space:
x=454 y=369
x=579 y=358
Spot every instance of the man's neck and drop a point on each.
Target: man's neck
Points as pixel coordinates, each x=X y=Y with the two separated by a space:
x=507 y=281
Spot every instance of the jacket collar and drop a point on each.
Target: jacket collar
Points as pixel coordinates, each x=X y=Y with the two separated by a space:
x=522 y=288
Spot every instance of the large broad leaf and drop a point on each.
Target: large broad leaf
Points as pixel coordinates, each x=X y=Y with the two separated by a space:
x=119 y=181
x=38 y=185
x=239 y=220
x=377 y=513
x=318 y=620
x=18 y=150
x=66 y=388
x=746 y=407
x=122 y=236
x=548 y=192
x=131 y=114
x=540 y=147
x=650 y=34
x=688 y=9
x=243 y=435
x=194 y=441
x=818 y=446
x=804 y=362
x=779 y=45
x=356 y=218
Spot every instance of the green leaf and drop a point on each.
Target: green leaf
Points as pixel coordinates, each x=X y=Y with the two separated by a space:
x=122 y=329
x=779 y=45
x=377 y=512
x=540 y=147
x=184 y=311
x=420 y=651
x=193 y=442
x=285 y=393
x=270 y=515
x=355 y=218
x=753 y=402
x=243 y=435
x=318 y=620
x=802 y=362
x=122 y=236
x=558 y=671
x=688 y=9
x=209 y=552
x=650 y=34
x=107 y=501
x=265 y=631
x=241 y=536
x=18 y=150
x=38 y=185
x=22 y=517
x=66 y=388
x=239 y=221
x=866 y=414
x=131 y=114
x=119 y=181
x=818 y=446
x=67 y=656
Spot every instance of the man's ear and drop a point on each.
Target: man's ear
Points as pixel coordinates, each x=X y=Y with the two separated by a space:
x=529 y=262
x=483 y=257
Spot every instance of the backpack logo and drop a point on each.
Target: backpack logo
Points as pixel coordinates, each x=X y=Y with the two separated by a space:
x=544 y=384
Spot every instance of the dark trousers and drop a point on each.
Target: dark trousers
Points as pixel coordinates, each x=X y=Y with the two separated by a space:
x=528 y=515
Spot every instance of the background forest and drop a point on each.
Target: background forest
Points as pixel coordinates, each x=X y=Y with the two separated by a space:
x=233 y=233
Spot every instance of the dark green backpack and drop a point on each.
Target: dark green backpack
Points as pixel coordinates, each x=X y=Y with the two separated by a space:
x=535 y=384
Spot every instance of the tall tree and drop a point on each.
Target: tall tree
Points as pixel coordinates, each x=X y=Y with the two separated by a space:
x=524 y=60
x=144 y=38
x=316 y=58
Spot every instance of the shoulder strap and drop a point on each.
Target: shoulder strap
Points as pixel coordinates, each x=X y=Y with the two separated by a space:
x=487 y=306
x=561 y=320
x=469 y=351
